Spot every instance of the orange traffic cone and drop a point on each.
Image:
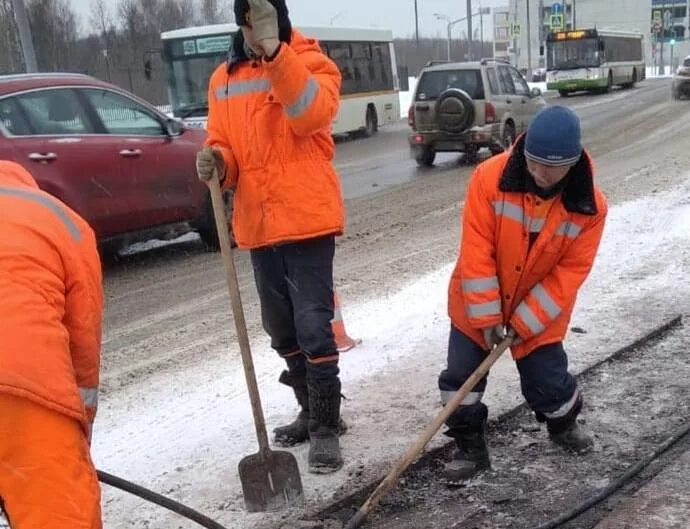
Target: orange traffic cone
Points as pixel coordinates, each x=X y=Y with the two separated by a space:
x=342 y=341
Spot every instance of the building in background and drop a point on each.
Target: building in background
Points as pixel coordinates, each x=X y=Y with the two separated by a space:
x=501 y=32
x=534 y=19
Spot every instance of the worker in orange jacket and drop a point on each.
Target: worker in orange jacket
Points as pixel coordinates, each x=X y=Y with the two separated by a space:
x=271 y=107
x=532 y=223
x=50 y=322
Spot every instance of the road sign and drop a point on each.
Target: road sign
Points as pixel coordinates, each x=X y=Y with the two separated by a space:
x=515 y=30
x=657 y=15
x=556 y=9
x=556 y=22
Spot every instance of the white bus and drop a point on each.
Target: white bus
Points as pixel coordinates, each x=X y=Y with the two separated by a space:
x=366 y=58
x=594 y=60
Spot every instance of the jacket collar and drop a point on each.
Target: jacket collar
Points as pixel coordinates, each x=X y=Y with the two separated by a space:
x=578 y=196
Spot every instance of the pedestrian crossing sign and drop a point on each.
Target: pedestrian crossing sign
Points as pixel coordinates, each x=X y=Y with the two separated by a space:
x=515 y=30
x=556 y=23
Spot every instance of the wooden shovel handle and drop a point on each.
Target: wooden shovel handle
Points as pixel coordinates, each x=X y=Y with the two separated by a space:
x=237 y=310
x=415 y=449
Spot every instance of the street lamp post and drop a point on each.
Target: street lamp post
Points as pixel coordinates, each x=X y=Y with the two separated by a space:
x=449 y=35
x=450 y=23
x=416 y=22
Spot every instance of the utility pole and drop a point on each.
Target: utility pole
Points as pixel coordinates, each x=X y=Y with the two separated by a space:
x=416 y=22
x=449 y=28
x=25 y=36
x=469 y=30
x=529 y=44
x=573 y=15
x=481 y=31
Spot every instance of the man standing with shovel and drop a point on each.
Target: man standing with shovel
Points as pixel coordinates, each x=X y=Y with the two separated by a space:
x=269 y=137
x=532 y=224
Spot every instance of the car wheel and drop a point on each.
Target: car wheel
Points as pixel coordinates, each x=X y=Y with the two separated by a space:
x=563 y=93
x=206 y=226
x=632 y=81
x=609 y=84
x=471 y=155
x=372 y=123
x=426 y=157
x=508 y=136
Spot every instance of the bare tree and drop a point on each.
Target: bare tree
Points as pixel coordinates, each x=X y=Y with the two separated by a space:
x=209 y=11
x=54 y=26
x=10 y=51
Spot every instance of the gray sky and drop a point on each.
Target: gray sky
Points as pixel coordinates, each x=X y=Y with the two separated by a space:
x=397 y=15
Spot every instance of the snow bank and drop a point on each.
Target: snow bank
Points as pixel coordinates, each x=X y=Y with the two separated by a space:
x=406 y=97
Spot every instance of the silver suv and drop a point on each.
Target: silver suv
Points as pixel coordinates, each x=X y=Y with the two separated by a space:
x=462 y=107
x=681 y=80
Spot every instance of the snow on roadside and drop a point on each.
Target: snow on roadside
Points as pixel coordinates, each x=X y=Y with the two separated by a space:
x=184 y=434
x=406 y=97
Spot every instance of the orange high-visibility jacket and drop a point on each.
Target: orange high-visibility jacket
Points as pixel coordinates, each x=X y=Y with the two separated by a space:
x=272 y=122
x=51 y=299
x=498 y=279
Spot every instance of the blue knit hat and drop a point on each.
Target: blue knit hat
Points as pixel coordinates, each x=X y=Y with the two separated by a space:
x=554 y=137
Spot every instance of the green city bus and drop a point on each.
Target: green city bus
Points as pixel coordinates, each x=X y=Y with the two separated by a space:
x=593 y=60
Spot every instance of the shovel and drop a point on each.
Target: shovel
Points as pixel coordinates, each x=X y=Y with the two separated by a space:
x=270 y=479
x=413 y=451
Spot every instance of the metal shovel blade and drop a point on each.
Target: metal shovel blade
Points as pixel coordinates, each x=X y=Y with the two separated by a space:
x=270 y=481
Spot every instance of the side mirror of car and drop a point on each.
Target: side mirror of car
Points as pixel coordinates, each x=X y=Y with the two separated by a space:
x=535 y=92
x=174 y=127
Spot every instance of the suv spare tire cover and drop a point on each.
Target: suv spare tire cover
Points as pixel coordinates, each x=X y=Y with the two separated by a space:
x=455 y=110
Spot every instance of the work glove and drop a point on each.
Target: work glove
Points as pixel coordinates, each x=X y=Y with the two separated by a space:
x=208 y=160
x=493 y=336
x=263 y=18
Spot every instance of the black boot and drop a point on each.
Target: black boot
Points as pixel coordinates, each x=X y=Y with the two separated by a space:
x=468 y=426
x=297 y=431
x=324 y=422
x=565 y=432
x=573 y=438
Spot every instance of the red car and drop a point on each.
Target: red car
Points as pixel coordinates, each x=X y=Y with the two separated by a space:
x=125 y=167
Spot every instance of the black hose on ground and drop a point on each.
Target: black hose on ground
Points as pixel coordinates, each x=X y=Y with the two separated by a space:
x=156 y=498
x=622 y=480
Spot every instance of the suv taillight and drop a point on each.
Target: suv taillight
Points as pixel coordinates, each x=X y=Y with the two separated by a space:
x=490 y=113
x=410 y=117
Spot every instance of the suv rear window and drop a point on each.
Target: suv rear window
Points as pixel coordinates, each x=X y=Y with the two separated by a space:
x=686 y=62
x=433 y=84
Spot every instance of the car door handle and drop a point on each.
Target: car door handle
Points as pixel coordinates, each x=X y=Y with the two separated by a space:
x=42 y=156
x=130 y=153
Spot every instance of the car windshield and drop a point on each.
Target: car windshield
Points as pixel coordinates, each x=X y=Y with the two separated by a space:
x=571 y=54
x=433 y=84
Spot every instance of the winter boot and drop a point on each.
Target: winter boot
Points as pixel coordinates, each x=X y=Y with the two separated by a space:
x=468 y=427
x=572 y=438
x=324 y=421
x=298 y=431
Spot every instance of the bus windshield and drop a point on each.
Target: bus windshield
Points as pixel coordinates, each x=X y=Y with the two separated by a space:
x=572 y=54
x=189 y=65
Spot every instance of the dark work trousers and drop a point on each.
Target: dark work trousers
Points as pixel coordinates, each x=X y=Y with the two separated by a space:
x=295 y=285
x=550 y=391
